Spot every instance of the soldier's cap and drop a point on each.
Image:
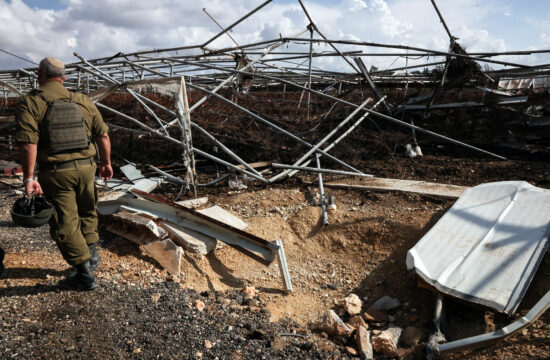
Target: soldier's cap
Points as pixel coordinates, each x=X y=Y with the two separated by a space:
x=55 y=62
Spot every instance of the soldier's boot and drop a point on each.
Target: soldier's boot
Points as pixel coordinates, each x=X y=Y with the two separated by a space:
x=83 y=277
x=1 y=261
x=95 y=259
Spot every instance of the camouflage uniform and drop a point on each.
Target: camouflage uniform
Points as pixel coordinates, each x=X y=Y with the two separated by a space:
x=67 y=179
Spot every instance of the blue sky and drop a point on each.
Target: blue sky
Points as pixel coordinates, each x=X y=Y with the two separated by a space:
x=39 y=28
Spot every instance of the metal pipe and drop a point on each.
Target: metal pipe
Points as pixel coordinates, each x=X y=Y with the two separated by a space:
x=341 y=137
x=316 y=170
x=451 y=37
x=324 y=37
x=322 y=191
x=221 y=27
x=405 y=47
x=235 y=24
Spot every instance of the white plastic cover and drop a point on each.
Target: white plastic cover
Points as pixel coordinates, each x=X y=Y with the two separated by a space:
x=488 y=246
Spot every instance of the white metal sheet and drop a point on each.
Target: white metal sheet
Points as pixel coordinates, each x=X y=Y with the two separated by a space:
x=487 y=247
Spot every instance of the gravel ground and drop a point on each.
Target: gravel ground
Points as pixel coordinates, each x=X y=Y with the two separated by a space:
x=157 y=322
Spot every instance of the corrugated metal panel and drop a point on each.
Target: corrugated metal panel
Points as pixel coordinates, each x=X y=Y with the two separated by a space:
x=487 y=247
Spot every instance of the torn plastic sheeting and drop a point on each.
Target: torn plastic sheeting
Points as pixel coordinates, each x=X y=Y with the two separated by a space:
x=259 y=249
x=488 y=246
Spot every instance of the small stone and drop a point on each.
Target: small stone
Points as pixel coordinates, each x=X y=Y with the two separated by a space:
x=352 y=304
x=155 y=297
x=386 y=303
x=373 y=315
x=137 y=350
x=199 y=305
x=208 y=344
x=412 y=336
x=250 y=291
x=386 y=342
x=362 y=337
x=333 y=325
x=198 y=354
x=351 y=351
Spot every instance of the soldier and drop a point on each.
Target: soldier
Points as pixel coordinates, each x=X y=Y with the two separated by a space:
x=54 y=130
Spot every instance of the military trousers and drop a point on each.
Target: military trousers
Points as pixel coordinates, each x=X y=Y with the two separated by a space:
x=71 y=190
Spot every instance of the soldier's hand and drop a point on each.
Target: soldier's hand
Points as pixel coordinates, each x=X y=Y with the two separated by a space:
x=105 y=172
x=33 y=187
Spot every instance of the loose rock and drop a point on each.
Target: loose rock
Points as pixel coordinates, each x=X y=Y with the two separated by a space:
x=250 y=291
x=333 y=325
x=199 y=305
x=386 y=303
x=352 y=304
x=362 y=337
x=386 y=342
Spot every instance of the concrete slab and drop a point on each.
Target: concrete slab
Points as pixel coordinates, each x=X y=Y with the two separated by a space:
x=166 y=253
x=224 y=216
x=190 y=240
x=412 y=186
x=193 y=203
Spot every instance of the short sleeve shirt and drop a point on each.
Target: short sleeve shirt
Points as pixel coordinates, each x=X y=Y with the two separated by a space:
x=31 y=111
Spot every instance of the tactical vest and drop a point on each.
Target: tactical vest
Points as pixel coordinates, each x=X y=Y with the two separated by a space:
x=65 y=126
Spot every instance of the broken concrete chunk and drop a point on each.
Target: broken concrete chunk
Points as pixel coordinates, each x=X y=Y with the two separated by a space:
x=362 y=337
x=190 y=240
x=333 y=325
x=386 y=303
x=353 y=304
x=193 y=203
x=412 y=336
x=166 y=253
x=224 y=216
x=373 y=315
x=134 y=227
x=386 y=341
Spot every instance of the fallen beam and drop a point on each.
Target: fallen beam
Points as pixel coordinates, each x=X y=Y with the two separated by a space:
x=411 y=186
x=475 y=342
